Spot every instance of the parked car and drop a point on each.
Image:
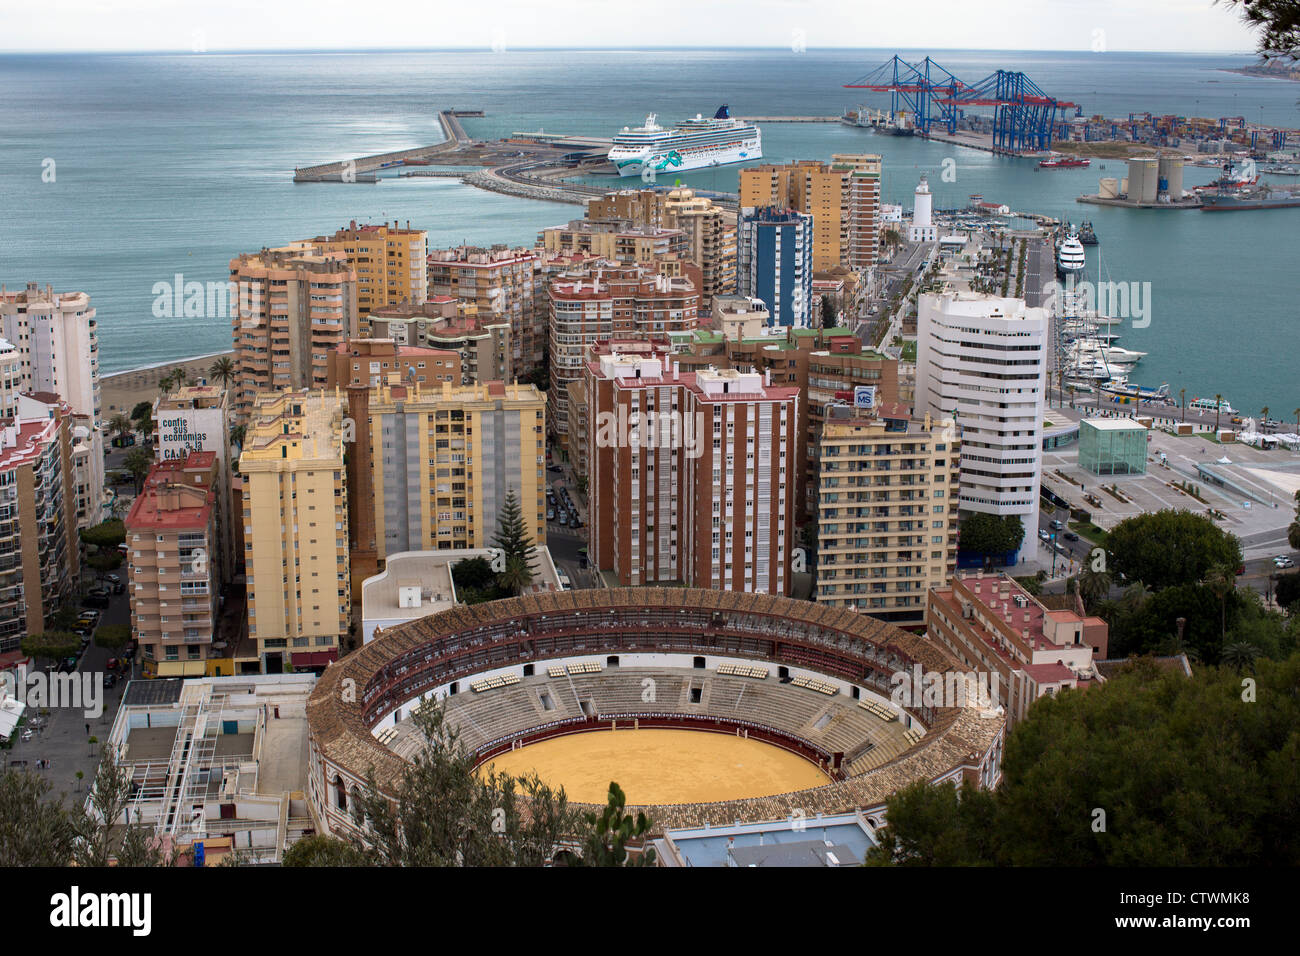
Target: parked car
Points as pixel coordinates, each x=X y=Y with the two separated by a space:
x=89 y=615
x=95 y=600
x=109 y=679
x=550 y=514
x=1070 y=536
x=113 y=578
x=1282 y=561
x=564 y=519
x=1057 y=525
x=1044 y=534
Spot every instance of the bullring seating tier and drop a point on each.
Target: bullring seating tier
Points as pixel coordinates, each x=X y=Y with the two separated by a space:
x=802 y=712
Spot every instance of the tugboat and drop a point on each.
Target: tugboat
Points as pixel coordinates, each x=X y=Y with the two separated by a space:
x=1064 y=162
x=1086 y=234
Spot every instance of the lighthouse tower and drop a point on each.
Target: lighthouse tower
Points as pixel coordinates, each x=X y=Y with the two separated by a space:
x=922 y=229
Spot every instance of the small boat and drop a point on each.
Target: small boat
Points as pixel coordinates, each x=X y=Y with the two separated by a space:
x=1064 y=162
x=1086 y=234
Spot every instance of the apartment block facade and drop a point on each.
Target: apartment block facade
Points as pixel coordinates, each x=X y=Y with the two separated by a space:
x=39 y=553
x=982 y=360
x=842 y=196
x=600 y=303
x=293 y=308
x=174 y=564
x=995 y=627
x=444 y=460
x=483 y=342
x=774 y=263
x=357 y=368
x=56 y=338
x=690 y=475
x=709 y=230
x=389 y=262
x=504 y=284
x=887 y=511
x=296 y=528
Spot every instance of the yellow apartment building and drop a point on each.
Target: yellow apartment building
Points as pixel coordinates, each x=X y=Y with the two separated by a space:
x=390 y=263
x=445 y=458
x=295 y=518
x=887 y=511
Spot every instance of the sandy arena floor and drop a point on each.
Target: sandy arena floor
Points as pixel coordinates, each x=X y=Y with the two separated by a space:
x=662 y=766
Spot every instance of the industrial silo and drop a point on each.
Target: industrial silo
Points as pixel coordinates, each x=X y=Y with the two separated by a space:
x=1108 y=188
x=1171 y=176
x=1143 y=180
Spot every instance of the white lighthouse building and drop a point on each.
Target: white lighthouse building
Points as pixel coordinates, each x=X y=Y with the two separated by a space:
x=922 y=229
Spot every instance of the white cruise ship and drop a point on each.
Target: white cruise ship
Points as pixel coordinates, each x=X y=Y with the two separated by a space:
x=691 y=144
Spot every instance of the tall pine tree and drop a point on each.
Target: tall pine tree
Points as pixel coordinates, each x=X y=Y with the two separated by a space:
x=513 y=538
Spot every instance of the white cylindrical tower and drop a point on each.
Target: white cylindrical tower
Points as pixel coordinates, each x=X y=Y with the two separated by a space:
x=921 y=209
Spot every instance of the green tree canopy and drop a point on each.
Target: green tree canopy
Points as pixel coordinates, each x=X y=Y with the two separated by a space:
x=444 y=814
x=51 y=645
x=322 y=850
x=113 y=636
x=991 y=534
x=107 y=534
x=34 y=830
x=142 y=412
x=1168 y=548
x=1187 y=772
x=1278 y=24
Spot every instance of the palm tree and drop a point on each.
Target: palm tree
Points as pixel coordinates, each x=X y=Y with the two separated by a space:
x=138 y=463
x=1093 y=585
x=165 y=383
x=1297 y=421
x=1240 y=656
x=1218 y=402
x=222 y=370
x=517 y=575
x=180 y=376
x=120 y=425
x=1182 y=395
x=1263 y=419
x=1222 y=580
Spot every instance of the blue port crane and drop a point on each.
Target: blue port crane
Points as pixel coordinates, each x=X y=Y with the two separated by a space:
x=1023 y=114
x=925 y=90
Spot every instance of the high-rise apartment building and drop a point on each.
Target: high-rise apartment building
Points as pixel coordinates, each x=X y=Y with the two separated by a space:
x=710 y=232
x=39 y=556
x=503 y=283
x=390 y=263
x=690 y=474
x=196 y=418
x=174 y=566
x=482 y=342
x=887 y=511
x=444 y=460
x=774 y=263
x=982 y=360
x=842 y=196
x=293 y=308
x=620 y=240
x=296 y=528
x=601 y=303
x=357 y=368
x=57 y=341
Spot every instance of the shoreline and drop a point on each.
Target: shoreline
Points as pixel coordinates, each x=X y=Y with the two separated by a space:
x=122 y=391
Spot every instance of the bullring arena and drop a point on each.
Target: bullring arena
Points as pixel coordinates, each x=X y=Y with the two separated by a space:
x=708 y=707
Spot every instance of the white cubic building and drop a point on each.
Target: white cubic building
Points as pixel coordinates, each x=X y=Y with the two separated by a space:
x=982 y=359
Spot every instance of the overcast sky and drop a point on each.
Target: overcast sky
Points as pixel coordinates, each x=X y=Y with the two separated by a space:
x=1167 y=25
